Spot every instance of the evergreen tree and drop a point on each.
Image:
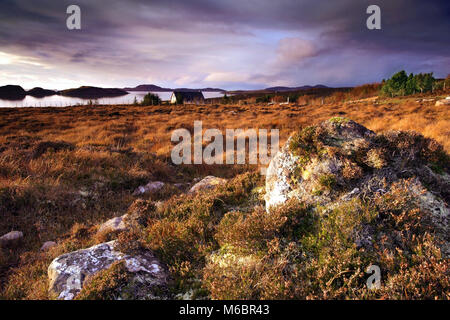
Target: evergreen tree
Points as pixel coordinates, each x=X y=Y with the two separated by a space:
x=151 y=99
x=401 y=84
x=411 y=85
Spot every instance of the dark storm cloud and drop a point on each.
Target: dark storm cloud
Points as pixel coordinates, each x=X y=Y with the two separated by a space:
x=284 y=38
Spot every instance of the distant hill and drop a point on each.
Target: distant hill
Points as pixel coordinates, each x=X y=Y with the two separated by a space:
x=93 y=92
x=40 y=93
x=319 y=86
x=201 y=89
x=155 y=88
x=148 y=87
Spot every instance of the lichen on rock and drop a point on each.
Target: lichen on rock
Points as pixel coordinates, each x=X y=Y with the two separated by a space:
x=68 y=272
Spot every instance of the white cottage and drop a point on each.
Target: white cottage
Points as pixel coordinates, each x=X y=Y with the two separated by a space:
x=187 y=97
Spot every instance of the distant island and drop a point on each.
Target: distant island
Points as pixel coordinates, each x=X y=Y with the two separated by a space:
x=11 y=92
x=93 y=92
x=14 y=92
x=40 y=93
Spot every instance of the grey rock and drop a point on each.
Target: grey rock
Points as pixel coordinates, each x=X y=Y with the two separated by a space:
x=68 y=272
x=350 y=195
x=207 y=183
x=48 y=245
x=151 y=187
x=443 y=102
x=11 y=238
x=114 y=224
x=346 y=135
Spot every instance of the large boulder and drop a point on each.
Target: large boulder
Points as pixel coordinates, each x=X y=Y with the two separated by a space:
x=68 y=272
x=207 y=183
x=338 y=161
x=307 y=166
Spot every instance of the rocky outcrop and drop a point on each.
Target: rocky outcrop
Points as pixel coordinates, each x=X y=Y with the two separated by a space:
x=304 y=170
x=67 y=273
x=11 y=238
x=339 y=160
x=207 y=183
x=151 y=187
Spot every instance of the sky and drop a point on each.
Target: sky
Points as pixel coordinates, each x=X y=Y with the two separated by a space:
x=231 y=44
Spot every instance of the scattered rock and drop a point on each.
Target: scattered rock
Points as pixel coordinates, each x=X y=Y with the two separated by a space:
x=208 y=182
x=350 y=195
x=68 y=272
x=48 y=245
x=151 y=187
x=181 y=186
x=159 y=204
x=11 y=238
x=443 y=102
x=114 y=224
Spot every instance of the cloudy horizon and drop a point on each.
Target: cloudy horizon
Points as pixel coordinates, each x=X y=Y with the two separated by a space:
x=227 y=44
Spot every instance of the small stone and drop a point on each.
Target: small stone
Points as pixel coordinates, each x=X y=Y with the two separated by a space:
x=208 y=182
x=114 y=224
x=11 y=238
x=48 y=245
x=151 y=187
x=444 y=102
x=181 y=186
x=350 y=195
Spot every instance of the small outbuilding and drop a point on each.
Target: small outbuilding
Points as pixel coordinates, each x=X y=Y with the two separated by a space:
x=187 y=97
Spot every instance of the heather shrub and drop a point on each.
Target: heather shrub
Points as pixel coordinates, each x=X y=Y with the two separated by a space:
x=296 y=253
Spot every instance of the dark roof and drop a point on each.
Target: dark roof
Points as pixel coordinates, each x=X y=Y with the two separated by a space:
x=188 y=96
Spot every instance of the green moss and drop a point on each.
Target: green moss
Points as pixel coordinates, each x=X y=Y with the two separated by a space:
x=305 y=145
x=339 y=120
x=327 y=181
x=437 y=168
